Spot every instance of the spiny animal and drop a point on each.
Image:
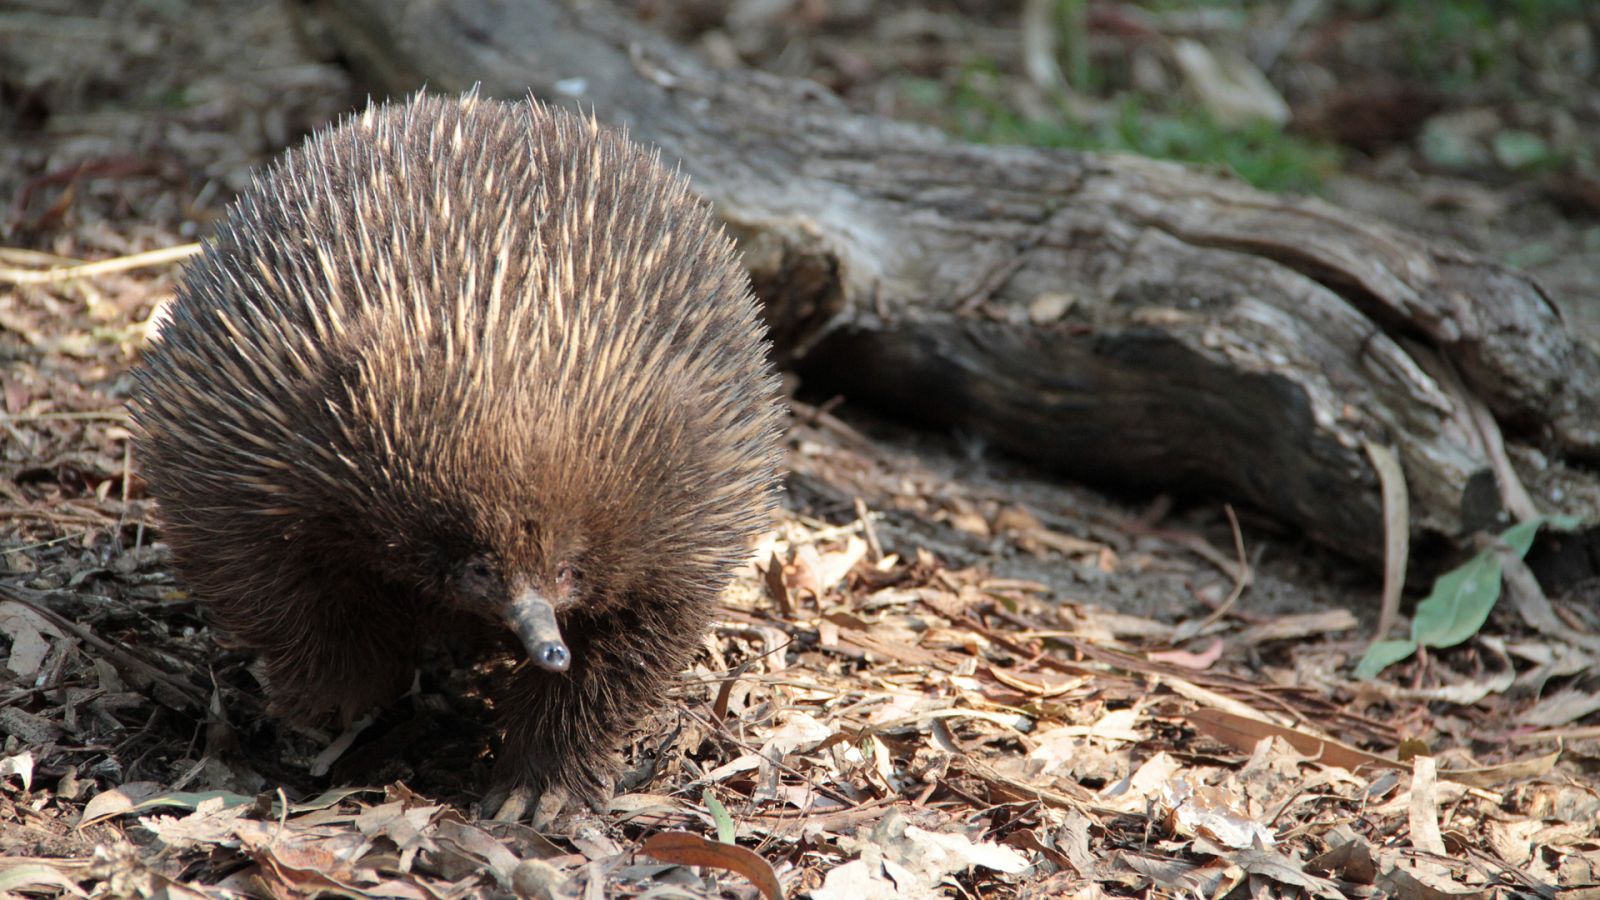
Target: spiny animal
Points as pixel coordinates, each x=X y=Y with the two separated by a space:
x=462 y=361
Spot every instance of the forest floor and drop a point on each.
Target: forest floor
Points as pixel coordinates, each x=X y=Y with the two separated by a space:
x=943 y=673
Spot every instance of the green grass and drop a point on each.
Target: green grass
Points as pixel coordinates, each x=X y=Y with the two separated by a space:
x=1261 y=154
x=1450 y=44
x=1459 y=42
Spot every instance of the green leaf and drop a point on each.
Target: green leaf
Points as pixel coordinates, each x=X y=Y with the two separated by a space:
x=325 y=800
x=1382 y=655
x=191 y=800
x=1459 y=604
x=1519 y=537
x=1463 y=597
x=1516 y=149
x=719 y=813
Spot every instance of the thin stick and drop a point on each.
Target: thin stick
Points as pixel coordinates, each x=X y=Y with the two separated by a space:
x=1242 y=576
x=874 y=548
x=1396 y=533
x=90 y=415
x=160 y=257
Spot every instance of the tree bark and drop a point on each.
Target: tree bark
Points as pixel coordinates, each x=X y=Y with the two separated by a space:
x=1109 y=316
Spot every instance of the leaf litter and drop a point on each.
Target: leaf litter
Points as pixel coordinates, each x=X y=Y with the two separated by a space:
x=939 y=675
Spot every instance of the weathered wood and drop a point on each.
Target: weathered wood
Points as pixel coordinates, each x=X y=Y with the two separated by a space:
x=1111 y=316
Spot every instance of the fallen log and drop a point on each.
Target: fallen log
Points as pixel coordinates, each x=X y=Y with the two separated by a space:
x=1108 y=316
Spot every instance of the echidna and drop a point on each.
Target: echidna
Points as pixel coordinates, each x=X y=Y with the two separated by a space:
x=456 y=362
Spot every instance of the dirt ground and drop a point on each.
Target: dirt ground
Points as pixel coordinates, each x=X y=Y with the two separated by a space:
x=945 y=674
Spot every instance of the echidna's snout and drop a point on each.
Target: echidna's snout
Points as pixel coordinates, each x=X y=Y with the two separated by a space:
x=553 y=656
x=534 y=620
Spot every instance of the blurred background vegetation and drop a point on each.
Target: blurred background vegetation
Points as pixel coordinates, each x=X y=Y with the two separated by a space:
x=1474 y=121
x=1284 y=94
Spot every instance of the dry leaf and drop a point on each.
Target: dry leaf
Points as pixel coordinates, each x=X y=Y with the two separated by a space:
x=20 y=765
x=898 y=859
x=213 y=822
x=1294 y=627
x=1048 y=307
x=1132 y=793
x=687 y=849
x=869 y=877
x=26 y=629
x=117 y=801
x=1208 y=812
x=1351 y=861
x=1560 y=708
x=31 y=875
x=1425 y=834
x=1198 y=662
x=1228 y=85
x=834 y=565
x=777 y=588
x=1269 y=863
x=1039 y=684
x=1244 y=733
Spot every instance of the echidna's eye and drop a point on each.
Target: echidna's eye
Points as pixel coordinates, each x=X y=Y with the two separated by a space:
x=478 y=572
x=564 y=574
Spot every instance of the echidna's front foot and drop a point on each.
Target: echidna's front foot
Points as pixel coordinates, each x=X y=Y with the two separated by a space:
x=540 y=808
x=561 y=732
x=507 y=803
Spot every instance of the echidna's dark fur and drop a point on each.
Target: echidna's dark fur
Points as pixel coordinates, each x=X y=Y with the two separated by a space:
x=457 y=330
